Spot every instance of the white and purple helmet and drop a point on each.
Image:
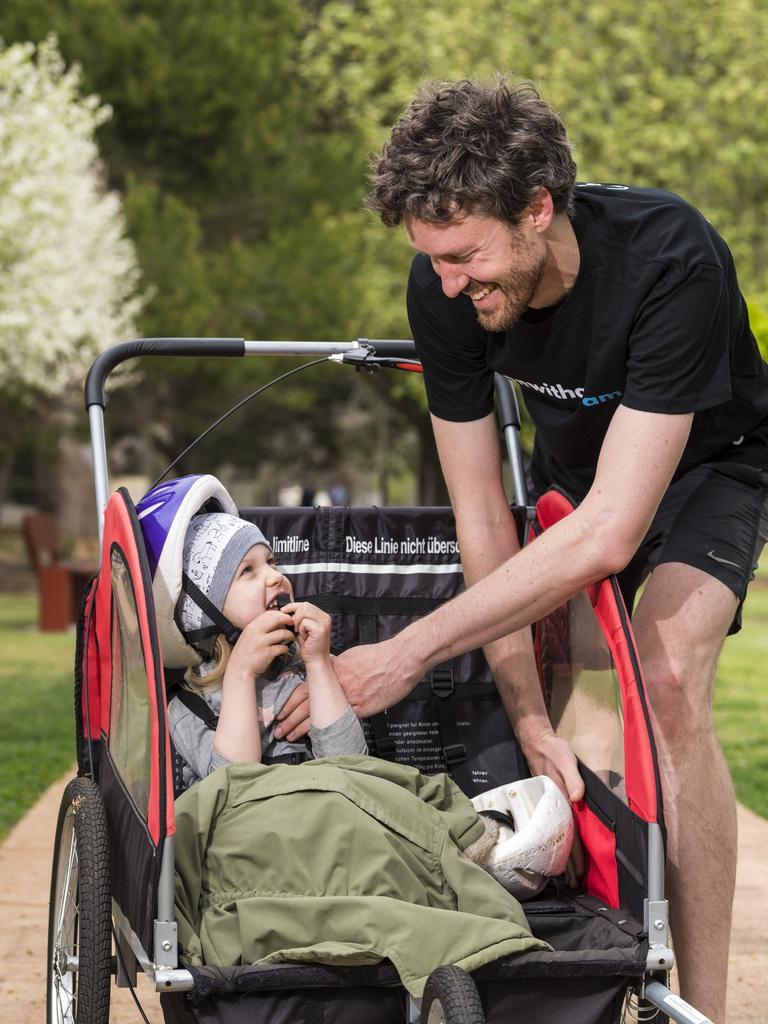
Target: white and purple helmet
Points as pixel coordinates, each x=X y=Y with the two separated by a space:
x=165 y=513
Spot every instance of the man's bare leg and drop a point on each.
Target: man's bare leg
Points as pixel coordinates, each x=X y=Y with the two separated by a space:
x=680 y=625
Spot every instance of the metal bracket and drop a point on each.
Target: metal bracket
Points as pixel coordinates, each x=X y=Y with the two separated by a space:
x=166 y=939
x=414 y=1010
x=660 y=956
x=363 y=358
x=173 y=981
x=657 y=922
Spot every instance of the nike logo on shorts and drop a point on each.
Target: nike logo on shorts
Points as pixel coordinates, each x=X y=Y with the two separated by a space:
x=723 y=561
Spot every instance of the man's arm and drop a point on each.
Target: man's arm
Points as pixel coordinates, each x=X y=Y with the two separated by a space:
x=470 y=457
x=639 y=456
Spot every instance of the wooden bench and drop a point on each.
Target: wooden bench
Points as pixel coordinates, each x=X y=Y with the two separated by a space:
x=60 y=583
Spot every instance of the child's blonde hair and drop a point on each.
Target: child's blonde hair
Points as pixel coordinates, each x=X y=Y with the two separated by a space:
x=193 y=680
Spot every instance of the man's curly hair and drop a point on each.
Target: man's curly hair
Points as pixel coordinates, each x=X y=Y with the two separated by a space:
x=479 y=149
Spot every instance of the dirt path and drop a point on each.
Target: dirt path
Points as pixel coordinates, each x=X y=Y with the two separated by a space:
x=25 y=864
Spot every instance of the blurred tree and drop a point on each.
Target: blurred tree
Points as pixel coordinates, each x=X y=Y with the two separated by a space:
x=241 y=204
x=69 y=276
x=668 y=95
x=240 y=136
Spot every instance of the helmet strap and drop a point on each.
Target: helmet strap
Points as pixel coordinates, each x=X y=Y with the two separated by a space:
x=501 y=817
x=221 y=623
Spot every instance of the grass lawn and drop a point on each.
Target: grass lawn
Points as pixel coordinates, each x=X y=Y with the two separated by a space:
x=741 y=700
x=37 y=741
x=37 y=727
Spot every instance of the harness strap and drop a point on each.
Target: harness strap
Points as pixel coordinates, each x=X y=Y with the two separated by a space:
x=221 y=623
x=501 y=817
x=198 y=706
x=454 y=751
x=461 y=691
x=295 y=757
x=383 y=744
x=177 y=762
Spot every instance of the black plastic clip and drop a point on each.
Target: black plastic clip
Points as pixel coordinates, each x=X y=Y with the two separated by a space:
x=453 y=754
x=385 y=747
x=442 y=682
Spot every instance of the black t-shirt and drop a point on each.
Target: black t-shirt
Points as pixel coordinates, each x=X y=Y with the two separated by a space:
x=655 y=321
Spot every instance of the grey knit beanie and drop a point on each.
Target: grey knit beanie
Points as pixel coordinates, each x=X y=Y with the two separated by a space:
x=214 y=546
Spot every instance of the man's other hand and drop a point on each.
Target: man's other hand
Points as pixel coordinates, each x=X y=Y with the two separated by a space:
x=294 y=716
x=370 y=678
x=552 y=756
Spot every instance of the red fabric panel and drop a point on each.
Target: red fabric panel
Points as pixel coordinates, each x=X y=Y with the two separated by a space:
x=118 y=530
x=639 y=770
x=602 y=876
x=638 y=752
x=551 y=508
x=90 y=694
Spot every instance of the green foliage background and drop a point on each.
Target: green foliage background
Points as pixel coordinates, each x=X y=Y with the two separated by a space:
x=240 y=137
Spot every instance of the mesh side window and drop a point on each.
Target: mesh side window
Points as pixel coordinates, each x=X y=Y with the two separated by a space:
x=130 y=726
x=581 y=689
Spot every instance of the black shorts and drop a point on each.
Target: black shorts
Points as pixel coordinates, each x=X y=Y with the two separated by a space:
x=714 y=518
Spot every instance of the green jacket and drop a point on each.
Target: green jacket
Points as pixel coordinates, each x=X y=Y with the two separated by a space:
x=344 y=860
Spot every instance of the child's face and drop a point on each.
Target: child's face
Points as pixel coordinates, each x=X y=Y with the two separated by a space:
x=255 y=587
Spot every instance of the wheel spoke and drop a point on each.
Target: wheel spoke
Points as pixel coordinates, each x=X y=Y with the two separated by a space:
x=66 y=998
x=68 y=889
x=65 y=951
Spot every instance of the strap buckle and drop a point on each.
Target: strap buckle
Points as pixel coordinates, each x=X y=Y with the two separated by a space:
x=385 y=747
x=442 y=682
x=454 y=753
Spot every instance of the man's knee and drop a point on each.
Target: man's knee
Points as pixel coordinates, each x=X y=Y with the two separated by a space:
x=679 y=691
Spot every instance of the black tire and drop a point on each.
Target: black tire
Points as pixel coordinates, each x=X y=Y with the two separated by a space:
x=80 y=912
x=451 y=997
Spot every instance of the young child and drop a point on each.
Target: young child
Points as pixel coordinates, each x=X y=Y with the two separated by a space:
x=232 y=587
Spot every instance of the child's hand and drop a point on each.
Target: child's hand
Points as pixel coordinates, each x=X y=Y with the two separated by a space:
x=262 y=640
x=313 y=631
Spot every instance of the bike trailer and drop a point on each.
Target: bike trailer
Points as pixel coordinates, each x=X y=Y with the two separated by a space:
x=374 y=570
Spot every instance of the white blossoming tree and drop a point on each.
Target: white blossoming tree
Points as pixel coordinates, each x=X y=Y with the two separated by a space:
x=69 y=278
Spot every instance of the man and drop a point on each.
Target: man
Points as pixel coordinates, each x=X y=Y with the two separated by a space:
x=618 y=312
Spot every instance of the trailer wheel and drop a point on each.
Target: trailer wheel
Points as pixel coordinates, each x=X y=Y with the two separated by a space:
x=451 y=997
x=80 y=911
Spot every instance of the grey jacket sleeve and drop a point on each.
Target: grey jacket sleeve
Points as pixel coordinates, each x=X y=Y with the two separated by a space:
x=344 y=736
x=193 y=740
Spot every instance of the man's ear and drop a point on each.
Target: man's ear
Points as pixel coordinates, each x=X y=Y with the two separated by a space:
x=542 y=210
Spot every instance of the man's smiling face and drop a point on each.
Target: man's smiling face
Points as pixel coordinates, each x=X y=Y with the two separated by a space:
x=498 y=266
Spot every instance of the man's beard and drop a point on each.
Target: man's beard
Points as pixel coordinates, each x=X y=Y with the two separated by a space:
x=517 y=288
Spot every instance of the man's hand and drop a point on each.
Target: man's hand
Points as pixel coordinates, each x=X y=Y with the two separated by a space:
x=549 y=755
x=294 y=715
x=372 y=678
